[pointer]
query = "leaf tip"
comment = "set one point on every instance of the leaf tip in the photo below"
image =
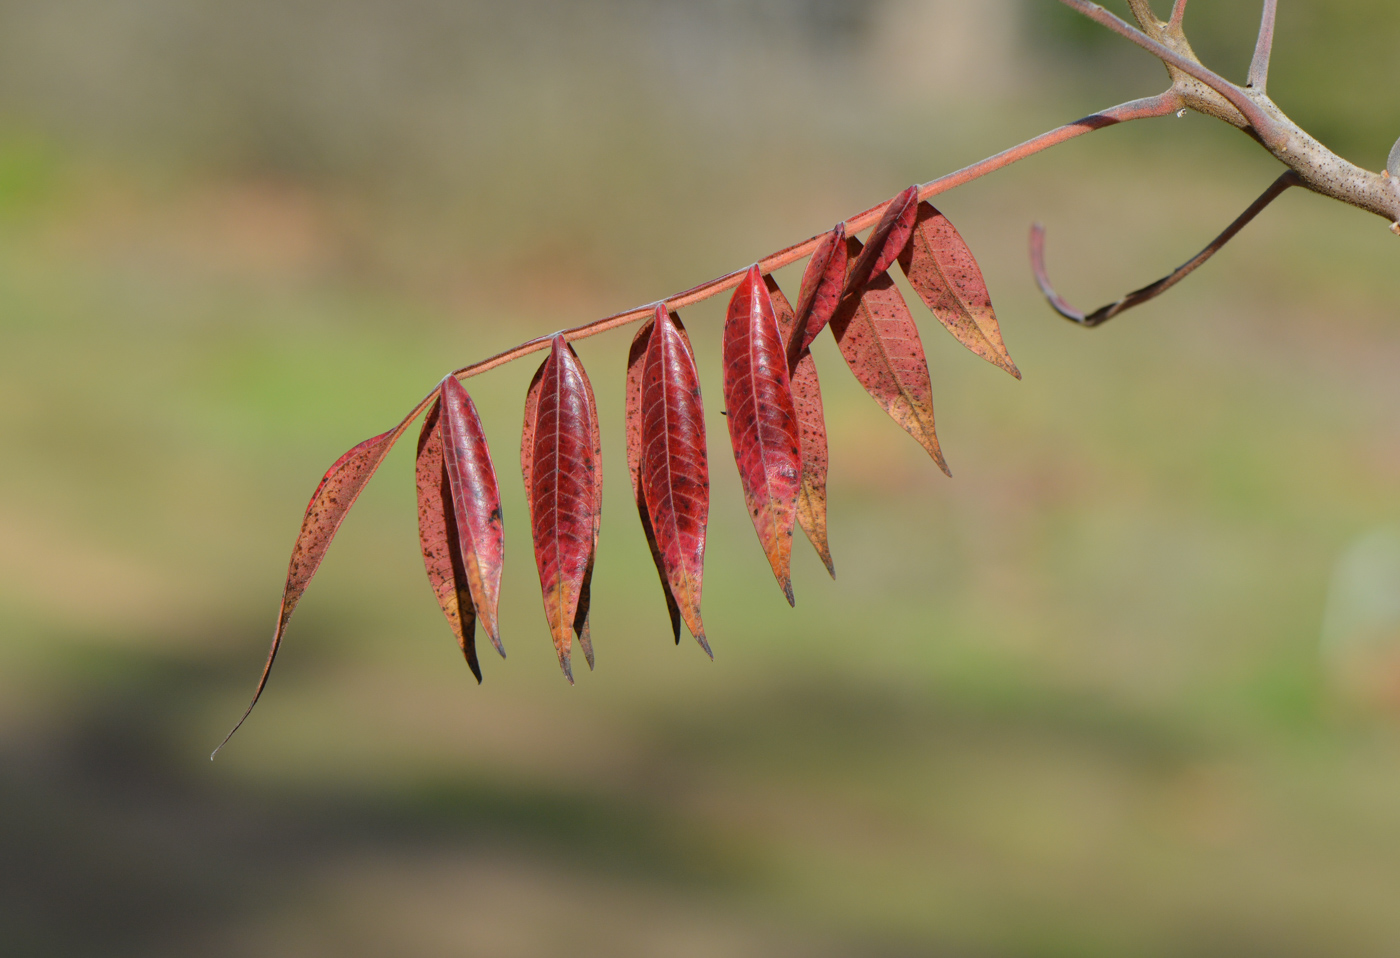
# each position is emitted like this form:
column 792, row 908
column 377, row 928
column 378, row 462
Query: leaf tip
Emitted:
column 705, row 645
column 786, row 583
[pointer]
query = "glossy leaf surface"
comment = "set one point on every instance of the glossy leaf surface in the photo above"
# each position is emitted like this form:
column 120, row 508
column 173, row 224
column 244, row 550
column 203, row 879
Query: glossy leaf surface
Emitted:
column 811, row 422
column 880, row 343
column 438, row 540
column 820, row 294
column 675, row 472
column 762, row 420
column 635, row 361
column 476, row 502
column 943, row 271
column 563, row 486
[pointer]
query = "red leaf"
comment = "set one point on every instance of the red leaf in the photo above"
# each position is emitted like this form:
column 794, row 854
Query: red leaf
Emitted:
column 880, row 343
column 887, row 239
column 822, row 283
column 559, row 457
column 442, row 553
column 944, row 273
column 476, row 502
column 675, row 473
column 762, row 421
column 334, row 495
column 635, row 358
column 807, row 401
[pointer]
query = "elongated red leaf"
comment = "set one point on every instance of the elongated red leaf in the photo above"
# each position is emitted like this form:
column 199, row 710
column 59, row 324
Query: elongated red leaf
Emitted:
column 822, row 283
column 476, row 502
column 944, row 273
column 675, row 473
column 635, row 361
column 334, row 495
column 880, row 343
column 437, row 537
column 762, row 421
column 886, row 240
column 811, row 423
column 563, row 485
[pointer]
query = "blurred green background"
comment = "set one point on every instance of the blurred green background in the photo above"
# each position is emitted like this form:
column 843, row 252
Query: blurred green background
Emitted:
column 1127, row 684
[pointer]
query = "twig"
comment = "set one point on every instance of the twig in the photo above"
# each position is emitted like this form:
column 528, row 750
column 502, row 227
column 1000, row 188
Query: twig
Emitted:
column 1160, row 105
column 1259, row 66
column 1263, row 126
column 1138, row 297
column 1178, row 11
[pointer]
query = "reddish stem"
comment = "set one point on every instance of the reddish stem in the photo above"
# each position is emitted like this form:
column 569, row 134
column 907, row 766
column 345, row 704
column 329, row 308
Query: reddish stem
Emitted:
column 1159, row 105
column 1259, row 66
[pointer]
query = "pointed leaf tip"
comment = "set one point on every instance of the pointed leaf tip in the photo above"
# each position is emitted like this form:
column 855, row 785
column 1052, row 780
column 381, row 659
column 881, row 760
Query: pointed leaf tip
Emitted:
column 438, row 538
column 334, row 495
column 942, row 270
column 762, row 419
column 561, row 467
column 811, row 420
column 476, row 502
column 880, row 342
column 673, row 469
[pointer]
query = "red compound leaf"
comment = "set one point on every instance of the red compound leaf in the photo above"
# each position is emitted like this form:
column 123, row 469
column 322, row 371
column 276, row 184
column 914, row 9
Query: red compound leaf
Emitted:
column 675, row 472
column 946, row 276
column 762, row 420
column 476, row 502
column 822, row 283
column 878, row 338
column 811, row 422
column 559, row 457
column 437, row 537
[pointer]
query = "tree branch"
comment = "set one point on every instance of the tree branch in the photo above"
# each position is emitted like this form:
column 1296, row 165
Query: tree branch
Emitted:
column 1259, row 66
column 1263, row 126
column 1138, row 297
column 1153, row 106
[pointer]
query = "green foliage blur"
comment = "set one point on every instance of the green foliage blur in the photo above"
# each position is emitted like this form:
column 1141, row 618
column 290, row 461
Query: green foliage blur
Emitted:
column 1127, row 684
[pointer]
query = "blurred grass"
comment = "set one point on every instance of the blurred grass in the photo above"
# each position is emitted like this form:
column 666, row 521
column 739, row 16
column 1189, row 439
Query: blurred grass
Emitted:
column 1069, row 702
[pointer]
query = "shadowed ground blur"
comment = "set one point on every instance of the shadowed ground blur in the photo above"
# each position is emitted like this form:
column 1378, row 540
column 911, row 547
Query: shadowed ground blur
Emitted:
column 1125, row 685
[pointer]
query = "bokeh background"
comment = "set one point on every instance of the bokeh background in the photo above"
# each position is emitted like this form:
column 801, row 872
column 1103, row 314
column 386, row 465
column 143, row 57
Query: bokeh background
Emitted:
column 1127, row 684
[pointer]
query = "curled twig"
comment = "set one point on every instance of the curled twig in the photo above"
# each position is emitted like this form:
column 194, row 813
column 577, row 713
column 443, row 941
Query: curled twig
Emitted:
column 1136, row 298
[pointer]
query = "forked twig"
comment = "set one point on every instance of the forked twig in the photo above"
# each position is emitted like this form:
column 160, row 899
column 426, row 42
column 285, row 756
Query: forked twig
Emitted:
column 1262, row 125
column 1136, row 298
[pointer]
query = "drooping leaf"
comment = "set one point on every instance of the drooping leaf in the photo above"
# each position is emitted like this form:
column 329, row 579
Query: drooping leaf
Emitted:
column 878, row 338
column 885, row 242
column 437, row 537
column 635, row 361
column 476, row 502
column 563, row 486
column 811, row 422
column 762, row 420
column 944, row 273
column 334, row 495
column 822, row 283
column 675, row 472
